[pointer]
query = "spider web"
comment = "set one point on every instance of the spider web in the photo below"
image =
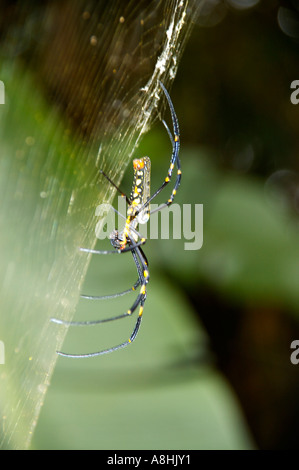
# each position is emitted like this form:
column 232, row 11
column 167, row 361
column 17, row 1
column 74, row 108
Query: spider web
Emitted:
column 81, row 88
column 107, row 77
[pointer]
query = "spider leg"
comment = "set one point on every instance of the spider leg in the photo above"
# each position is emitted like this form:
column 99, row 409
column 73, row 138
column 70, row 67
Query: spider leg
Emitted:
column 114, row 252
column 117, row 317
column 128, row 313
column 174, row 160
column 114, row 348
column 143, row 273
column 116, row 187
column 169, row 132
column 112, row 296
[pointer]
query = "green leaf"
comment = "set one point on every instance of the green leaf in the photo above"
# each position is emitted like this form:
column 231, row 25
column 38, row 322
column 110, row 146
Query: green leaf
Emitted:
column 160, row 392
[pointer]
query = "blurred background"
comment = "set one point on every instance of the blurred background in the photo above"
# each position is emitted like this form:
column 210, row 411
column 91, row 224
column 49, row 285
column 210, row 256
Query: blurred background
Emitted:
column 211, row 366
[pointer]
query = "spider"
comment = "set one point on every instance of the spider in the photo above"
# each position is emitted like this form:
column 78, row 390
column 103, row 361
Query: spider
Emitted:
column 129, row 239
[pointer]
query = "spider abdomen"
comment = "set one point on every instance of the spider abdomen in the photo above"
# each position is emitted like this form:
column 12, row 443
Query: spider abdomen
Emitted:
column 140, row 192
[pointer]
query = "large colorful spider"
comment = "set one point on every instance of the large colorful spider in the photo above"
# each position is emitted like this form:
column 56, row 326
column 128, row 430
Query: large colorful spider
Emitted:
column 129, row 239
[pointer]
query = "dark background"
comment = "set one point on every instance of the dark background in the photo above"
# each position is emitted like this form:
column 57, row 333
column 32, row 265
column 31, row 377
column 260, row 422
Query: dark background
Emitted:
column 234, row 79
